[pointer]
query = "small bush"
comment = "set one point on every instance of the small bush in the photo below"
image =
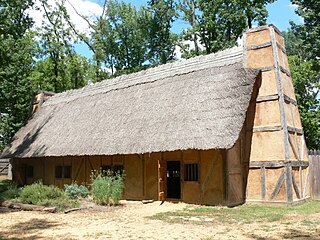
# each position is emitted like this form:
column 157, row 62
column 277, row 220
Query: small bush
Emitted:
column 107, row 188
column 8, row 190
column 43, row 195
column 74, row 191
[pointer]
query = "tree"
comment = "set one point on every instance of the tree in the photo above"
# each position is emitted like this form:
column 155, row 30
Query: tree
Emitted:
column 16, row 63
column 161, row 41
column 219, row 23
column 60, row 68
column 307, row 85
column 303, row 44
column 119, row 39
column 309, row 11
column 189, row 9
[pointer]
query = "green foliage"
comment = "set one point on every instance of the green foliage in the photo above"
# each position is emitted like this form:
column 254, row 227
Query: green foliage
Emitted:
column 119, row 40
column 310, row 30
column 107, row 188
column 60, row 68
column 16, row 62
column 218, row 24
column 161, row 41
column 8, row 190
column 74, row 190
column 303, row 44
column 43, row 195
column 307, row 85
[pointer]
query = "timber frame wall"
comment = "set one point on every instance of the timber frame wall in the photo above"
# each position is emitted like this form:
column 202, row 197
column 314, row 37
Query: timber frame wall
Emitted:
column 278, row 153
column 219, row 180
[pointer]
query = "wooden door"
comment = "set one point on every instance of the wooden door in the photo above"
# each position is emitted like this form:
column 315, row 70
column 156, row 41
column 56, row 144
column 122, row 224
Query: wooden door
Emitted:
column 161, row 179
column 173, row 180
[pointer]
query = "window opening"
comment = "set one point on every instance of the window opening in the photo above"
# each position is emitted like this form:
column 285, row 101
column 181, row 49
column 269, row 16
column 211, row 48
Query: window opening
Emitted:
column 191, row 172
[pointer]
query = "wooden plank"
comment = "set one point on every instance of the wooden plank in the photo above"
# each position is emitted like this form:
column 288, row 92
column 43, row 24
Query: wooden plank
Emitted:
column 290, row 100
column 295, row 130
column 266, row 69
column 305, row 189
column 289, row 184
column 161, row 178
column 5, row 167
column 285, row 71
column 257, row 29
column 295, row 187
column 257, row 46
column 314, row 175
column 79, row 168
column 278, row 164
column 278, row 186
column 282, row 48
column 293, row 148
column 267, row 98
column 263, row 182
column 281, row 95
column 267, row 129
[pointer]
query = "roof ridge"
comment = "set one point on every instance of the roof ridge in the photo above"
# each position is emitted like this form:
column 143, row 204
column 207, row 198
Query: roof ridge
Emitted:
column 222, row 58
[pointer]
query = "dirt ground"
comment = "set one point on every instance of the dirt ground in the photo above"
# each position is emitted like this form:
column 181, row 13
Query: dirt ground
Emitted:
column 130, row 221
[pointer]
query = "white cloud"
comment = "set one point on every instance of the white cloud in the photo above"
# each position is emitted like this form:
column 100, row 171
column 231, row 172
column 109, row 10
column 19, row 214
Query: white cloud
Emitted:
column 86, row 8
column 294, row 6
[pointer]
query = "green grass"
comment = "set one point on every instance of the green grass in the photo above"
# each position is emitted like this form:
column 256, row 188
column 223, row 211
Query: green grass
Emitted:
column 244, row 214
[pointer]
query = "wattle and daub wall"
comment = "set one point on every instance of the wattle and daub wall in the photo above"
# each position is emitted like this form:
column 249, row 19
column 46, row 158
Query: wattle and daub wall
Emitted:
column 278, row 154
column 268, row 163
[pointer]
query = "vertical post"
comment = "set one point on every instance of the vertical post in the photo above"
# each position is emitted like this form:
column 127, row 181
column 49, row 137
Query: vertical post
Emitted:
column 263, row 182
column 10, row 169
column 283, row 117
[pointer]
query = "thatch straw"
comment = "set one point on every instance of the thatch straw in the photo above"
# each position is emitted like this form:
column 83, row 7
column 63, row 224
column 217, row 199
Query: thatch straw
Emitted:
column 197, row 104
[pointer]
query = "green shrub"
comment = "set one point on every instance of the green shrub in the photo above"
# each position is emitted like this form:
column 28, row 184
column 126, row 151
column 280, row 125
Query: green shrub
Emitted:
column 74, row 191
column 8, row 190
column 43, row 195
column 107, row 188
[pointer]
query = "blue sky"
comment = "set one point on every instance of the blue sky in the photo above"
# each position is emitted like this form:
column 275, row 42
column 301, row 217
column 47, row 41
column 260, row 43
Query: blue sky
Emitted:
column 281, row 12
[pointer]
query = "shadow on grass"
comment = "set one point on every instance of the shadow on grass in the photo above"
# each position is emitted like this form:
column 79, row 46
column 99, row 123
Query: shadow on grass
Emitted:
column 31, row 228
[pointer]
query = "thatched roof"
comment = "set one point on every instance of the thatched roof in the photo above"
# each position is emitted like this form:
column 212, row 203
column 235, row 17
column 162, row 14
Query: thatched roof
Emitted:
column 200, row 103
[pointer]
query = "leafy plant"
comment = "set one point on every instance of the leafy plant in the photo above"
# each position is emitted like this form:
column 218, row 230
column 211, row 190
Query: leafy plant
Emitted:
column 43, row 195
column 107, row 187
column 74, row 190
column 8, row 190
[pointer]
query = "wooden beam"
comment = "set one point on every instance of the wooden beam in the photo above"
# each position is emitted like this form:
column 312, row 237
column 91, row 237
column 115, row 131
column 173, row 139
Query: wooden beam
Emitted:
column 293, row 148
column 306, row 185
column 267, row 129
column 295, row 186
column 289, row 184
column 6, row 166
column 278, row 186
column 79, row 168
column 258, row 29
column 285, row 71
column 295, row 130
column 282, row 48
column 263, row 183
column 290, row 100
column 257, row 46
column 266, row 69
column 267, row 98
column 260, row 164
column 281, row 95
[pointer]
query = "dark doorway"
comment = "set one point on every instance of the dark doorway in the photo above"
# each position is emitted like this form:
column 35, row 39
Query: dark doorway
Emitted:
column 173, row 180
